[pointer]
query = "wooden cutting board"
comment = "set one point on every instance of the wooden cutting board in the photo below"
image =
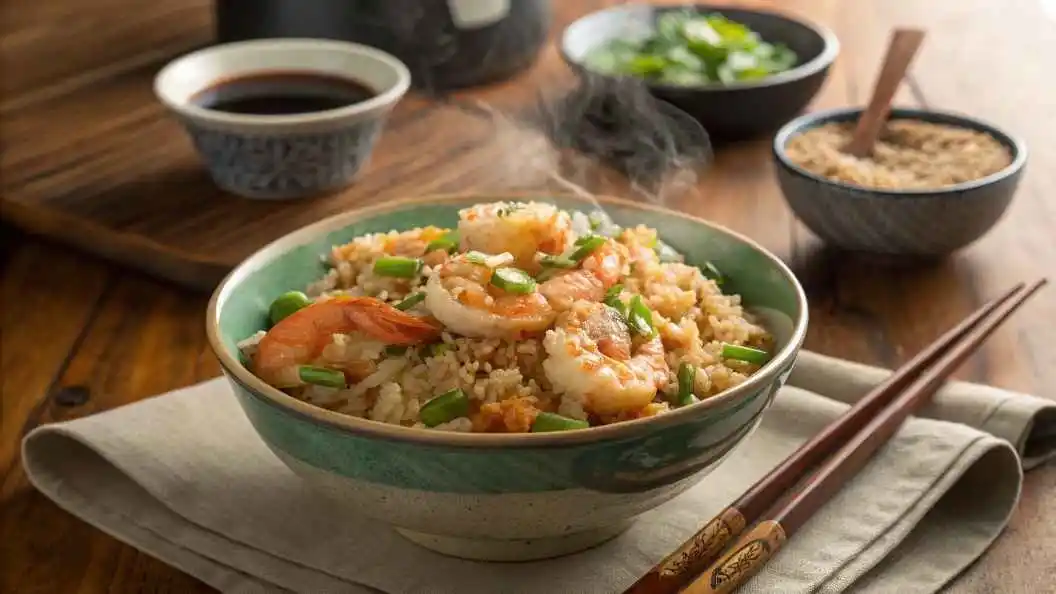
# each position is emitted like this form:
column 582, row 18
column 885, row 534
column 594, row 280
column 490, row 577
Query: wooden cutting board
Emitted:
column 105, row 168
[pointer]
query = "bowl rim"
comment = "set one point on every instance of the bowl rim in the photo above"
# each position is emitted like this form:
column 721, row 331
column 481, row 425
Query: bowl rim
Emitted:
column 238, row 373
column 830, row 47
column 814, row 119
column 384, row 98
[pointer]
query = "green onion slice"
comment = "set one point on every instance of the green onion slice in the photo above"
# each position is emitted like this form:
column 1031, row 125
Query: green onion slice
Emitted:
column 448, row 243
column 445, row 407
column 585, row 246
column 435, row 350
column 410, row 301
column 745, row 353
column 513, row 280
column 321, row 376
column 710, row 272
column 286, row 304
column 612, row 299
column 640, row 317
column 476, row 257
column 551, row 261
column 546, row 421
column 397, row 266
column 666, row 253
column 687, row 376
column 395, row 350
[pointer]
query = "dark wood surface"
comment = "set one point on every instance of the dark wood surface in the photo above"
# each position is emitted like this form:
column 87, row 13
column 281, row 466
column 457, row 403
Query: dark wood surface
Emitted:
column 91, row 163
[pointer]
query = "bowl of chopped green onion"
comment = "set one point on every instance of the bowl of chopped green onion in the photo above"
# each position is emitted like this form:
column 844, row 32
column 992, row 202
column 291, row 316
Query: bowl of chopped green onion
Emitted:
column 740, row 73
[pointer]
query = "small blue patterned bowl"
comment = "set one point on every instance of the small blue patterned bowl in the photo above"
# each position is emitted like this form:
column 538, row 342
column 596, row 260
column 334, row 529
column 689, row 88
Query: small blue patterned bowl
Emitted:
column 912, row 223
column 283, row 156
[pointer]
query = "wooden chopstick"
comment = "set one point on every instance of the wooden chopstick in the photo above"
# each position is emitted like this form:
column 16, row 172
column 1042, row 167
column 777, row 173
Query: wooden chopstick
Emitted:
column 755, row 548
column 704, row 547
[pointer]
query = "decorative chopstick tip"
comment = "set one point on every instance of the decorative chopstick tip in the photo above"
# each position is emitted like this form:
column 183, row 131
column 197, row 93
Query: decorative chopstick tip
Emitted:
column 744, row 560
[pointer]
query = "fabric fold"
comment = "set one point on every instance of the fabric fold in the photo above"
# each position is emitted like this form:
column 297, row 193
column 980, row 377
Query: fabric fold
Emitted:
column 185, row 478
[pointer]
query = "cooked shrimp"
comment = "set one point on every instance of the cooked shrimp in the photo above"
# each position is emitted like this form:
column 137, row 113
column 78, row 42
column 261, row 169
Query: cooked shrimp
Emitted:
column 602, row 269
column 521, row 229
column 460, row 295
column 302, row 337
column 593, row 357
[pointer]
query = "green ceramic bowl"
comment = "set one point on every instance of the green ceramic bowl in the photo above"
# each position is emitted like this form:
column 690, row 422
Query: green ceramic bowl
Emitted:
column 496, row 496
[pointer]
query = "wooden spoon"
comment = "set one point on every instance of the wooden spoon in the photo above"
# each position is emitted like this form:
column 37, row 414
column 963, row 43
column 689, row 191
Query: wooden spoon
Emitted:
column 900, row 51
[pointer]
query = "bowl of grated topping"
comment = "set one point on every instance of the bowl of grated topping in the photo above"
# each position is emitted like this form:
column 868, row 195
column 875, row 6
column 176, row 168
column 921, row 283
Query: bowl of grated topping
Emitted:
column 934, row 183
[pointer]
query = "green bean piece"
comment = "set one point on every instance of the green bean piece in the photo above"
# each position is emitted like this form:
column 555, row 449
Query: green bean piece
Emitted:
column 546, row 421
column 550, row 261
column 286, row 304
column 321, row 376
column 513, row 280
column 640, row 317
column 410, row 301
column 713, row 273
column 448, row 243
column 397, row 266
column 745, row 353
column 445, row 407
column 687, row 376
column 395, row 350
column 585, row 246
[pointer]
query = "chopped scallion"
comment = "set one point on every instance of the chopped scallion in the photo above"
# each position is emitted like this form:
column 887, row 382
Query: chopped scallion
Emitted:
column 395, row 350
column 546, row 421
column 435, row 350
column 476, row 257
column 666, row 253
column 745, row 353
column 713, row 273
column 448, row 243
column 410, row 301
column 640, row 317
column 321, row 376
column 397, row 266
column 585, row 246
column 612, row 299
column 550, row 261
column 445, row 407
column 513, row 280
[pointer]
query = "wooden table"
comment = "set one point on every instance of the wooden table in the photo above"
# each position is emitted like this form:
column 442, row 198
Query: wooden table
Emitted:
column 82, row 335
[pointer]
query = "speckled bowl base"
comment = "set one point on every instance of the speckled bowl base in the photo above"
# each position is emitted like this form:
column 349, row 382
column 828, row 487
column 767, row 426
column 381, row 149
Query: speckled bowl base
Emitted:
column 526, row 549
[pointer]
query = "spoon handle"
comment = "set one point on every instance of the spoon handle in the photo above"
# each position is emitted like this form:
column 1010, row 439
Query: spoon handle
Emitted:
column 900, row 51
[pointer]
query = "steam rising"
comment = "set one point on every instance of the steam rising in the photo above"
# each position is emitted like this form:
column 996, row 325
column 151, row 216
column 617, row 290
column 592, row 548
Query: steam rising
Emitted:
column 606, row 136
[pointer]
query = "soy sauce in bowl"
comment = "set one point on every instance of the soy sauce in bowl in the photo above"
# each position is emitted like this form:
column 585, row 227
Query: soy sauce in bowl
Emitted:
column 282, row 93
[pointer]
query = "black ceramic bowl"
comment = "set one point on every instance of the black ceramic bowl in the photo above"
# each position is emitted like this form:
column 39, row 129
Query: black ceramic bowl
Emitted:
column 916, row 223
column 446, row 44
column 732, row 111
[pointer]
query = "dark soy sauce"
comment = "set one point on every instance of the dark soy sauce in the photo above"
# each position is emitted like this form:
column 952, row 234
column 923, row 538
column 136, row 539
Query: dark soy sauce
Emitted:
column 282, row 93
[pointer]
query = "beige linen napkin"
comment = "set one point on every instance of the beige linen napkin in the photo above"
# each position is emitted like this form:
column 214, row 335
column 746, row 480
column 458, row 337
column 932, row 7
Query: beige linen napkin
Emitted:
column 183, row 477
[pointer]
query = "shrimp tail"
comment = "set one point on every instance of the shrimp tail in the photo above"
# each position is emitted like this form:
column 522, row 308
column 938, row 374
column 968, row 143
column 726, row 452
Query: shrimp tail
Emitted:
column 388, row 324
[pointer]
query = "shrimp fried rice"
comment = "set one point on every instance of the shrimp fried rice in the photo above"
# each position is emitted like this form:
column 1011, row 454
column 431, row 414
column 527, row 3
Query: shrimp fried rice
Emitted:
column 523, row 318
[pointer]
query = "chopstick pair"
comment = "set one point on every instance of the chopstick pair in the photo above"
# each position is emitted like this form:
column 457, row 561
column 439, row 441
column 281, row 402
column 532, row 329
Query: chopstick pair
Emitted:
column 841, row 449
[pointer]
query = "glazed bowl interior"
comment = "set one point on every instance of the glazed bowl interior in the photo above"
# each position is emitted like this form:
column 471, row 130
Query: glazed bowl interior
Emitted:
column 816, row 47
column 239, row 306
column 181, row 80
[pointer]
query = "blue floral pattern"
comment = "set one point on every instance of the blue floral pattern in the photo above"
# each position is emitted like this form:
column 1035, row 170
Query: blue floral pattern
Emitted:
column 285, row 165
